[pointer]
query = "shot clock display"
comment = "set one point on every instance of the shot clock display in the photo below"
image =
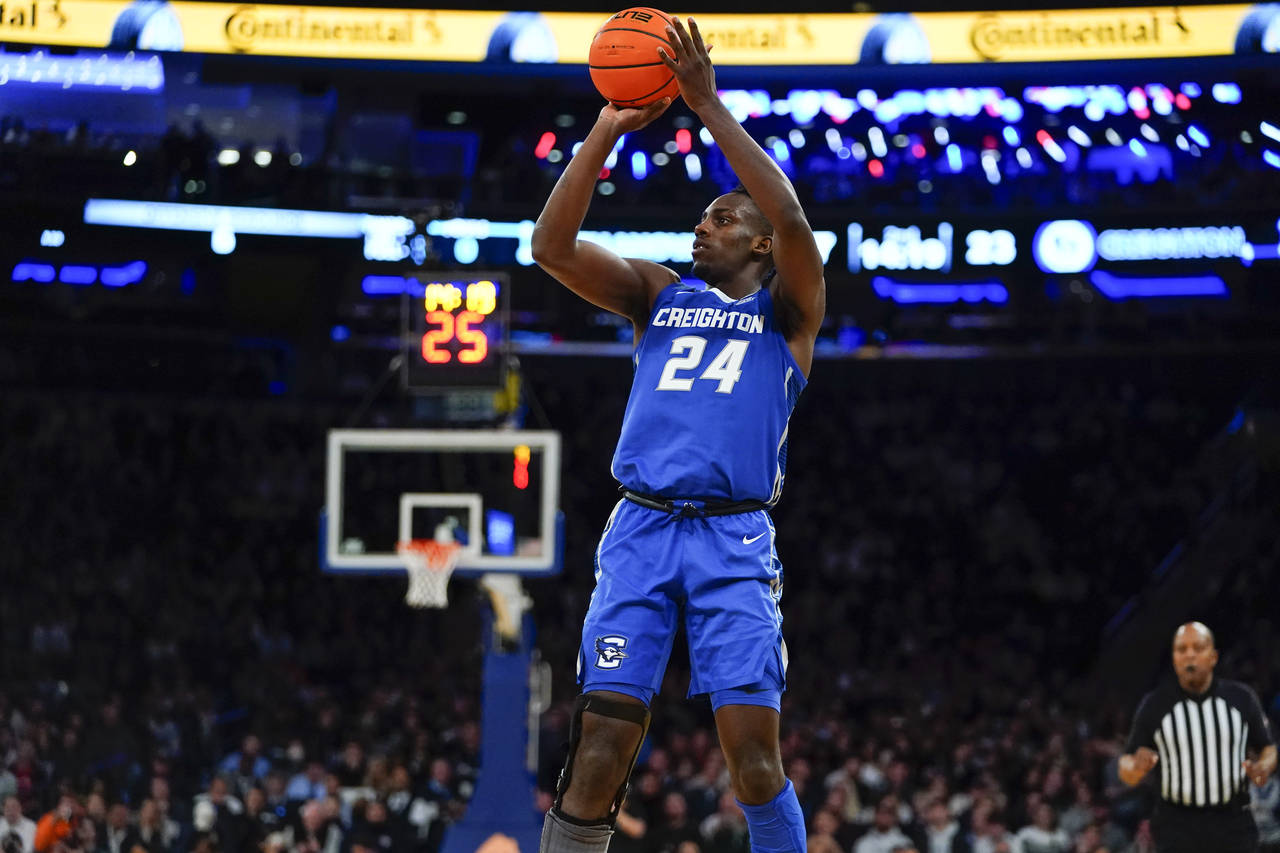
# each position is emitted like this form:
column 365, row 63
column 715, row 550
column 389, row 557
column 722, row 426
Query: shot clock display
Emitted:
column 455, row 330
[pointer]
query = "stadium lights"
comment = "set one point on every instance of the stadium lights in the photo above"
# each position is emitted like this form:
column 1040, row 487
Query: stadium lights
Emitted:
column 1116, row 287
column 908, row 293
column 1197, row 136
column 384, row 236
column 114, row 276
column 1226, row 93
column 128, row 72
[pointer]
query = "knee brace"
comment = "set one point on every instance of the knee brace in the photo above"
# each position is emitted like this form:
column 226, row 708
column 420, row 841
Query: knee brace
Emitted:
column 627, row 711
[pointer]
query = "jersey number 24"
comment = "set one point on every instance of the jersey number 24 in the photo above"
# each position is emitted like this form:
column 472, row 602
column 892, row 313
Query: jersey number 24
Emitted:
column 686, row 354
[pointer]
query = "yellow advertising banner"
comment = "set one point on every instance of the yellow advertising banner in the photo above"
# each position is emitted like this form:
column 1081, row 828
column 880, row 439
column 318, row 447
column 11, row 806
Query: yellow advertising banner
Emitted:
column 437, row 35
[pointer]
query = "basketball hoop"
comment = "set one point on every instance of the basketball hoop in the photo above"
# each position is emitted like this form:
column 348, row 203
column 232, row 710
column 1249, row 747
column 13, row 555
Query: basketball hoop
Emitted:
column 429, row 564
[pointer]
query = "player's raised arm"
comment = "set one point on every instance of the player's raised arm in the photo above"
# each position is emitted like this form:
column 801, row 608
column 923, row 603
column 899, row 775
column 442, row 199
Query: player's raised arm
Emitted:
column 625, row 286
column 799, row 282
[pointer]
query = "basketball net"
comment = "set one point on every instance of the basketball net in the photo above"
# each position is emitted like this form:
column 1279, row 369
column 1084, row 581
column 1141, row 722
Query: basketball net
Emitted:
column 429, row 563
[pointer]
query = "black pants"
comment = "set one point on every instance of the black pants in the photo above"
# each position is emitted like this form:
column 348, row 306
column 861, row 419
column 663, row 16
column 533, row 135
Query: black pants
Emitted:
column 1188, row 830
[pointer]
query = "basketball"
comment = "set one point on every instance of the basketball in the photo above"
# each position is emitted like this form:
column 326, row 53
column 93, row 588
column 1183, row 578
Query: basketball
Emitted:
column 624, row 62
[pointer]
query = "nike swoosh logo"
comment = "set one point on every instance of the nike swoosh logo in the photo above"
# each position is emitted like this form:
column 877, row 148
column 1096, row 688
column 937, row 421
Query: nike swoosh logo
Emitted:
column 746, row 541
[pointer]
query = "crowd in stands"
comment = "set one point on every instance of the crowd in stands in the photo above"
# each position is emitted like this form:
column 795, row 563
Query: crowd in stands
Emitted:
column 179, row 676
column 1201, row 154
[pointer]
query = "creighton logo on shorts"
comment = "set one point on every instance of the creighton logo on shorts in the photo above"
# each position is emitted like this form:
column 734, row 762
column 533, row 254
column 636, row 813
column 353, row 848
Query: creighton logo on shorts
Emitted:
column 609, row 652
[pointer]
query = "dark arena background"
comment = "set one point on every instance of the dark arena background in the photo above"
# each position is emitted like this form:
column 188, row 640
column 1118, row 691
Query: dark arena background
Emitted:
column 1042, row 428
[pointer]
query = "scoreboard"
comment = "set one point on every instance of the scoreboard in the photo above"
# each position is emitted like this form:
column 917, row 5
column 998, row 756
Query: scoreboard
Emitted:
column 455, row 330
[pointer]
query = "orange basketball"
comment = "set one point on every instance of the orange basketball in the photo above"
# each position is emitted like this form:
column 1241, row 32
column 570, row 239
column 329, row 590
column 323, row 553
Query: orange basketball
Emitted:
column 624, row 62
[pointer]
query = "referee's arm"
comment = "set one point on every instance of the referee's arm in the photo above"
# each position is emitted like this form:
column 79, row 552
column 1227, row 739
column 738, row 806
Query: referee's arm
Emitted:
column 1140, row 755
column 1259, row 769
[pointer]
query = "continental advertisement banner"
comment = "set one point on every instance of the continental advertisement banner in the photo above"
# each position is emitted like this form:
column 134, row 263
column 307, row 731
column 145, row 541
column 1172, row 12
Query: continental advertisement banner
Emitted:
column 436, row 35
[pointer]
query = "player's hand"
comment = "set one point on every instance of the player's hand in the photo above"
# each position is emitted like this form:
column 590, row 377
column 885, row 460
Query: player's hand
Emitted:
column 1141, row 761
column 629, row 119
column 1257, row 772
column 690, row 61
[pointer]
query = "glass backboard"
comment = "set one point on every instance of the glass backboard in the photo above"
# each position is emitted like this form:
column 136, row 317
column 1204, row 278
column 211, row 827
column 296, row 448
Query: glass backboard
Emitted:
column 494, row 492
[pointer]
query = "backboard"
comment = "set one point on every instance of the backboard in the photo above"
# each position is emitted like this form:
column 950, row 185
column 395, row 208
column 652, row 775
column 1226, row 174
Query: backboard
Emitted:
column 494, row 491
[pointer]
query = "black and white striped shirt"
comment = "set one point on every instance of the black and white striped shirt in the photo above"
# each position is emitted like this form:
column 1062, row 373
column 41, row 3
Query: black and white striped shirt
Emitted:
column 1202, row 741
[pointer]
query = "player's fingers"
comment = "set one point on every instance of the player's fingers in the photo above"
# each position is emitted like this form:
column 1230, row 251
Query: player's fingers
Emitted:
column 686, row 41
column 677, row 51
column 656, row 109
column 665, row 56
column 696, row 35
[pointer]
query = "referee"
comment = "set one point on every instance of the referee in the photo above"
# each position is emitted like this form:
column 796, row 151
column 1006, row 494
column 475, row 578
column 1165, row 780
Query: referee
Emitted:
column 1198, row 732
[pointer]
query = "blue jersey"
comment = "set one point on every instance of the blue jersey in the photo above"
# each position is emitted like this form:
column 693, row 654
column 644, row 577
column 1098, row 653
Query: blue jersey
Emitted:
column 714, row 387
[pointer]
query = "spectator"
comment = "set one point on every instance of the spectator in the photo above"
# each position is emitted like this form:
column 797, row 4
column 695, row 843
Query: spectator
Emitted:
column 246, row 767
column 412, row 812
column 351, row 769
column 725, row 831
column 1090, row 840
column 673, row 827
column 942, row 833
column 307, row 785
column 846, row 779
column 994, row 838
column 164, row 817
column 14, row 822
column 823, row 837
column 111, row 749
column 1042, row 835
column 57, row 825
column 274, row 799
column 118, row 836
column 229, row 824
column 28, row 772
column 260, row 821
column 373, row 832
column 318, row 831
column 8, row 783
column 885, row 834
column 1264, row 801
column 156, row 832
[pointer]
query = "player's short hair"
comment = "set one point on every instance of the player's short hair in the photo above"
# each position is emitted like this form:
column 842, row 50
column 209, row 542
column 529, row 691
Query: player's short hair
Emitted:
column 759, row 222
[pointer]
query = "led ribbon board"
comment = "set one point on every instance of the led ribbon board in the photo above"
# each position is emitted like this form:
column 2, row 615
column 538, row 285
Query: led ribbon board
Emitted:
column 510, row 37
column 386, row 238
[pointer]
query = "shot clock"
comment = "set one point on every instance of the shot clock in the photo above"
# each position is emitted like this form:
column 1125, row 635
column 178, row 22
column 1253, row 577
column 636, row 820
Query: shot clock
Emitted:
column 455, row 330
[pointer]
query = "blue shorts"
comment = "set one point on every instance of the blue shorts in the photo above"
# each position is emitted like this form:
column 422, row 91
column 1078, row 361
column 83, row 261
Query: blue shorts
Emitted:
column 720, row 575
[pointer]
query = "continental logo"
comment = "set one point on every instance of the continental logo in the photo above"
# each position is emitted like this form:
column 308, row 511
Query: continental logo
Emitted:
column 996, row 37
column 262, row 28
column 782, row 37
column 16, row 17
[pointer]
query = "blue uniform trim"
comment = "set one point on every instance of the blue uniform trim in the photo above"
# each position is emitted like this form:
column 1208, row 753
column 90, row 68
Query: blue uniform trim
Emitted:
column 644, row 694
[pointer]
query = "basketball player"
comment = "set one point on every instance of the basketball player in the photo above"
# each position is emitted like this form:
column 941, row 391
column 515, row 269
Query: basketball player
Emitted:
column 717, row 373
